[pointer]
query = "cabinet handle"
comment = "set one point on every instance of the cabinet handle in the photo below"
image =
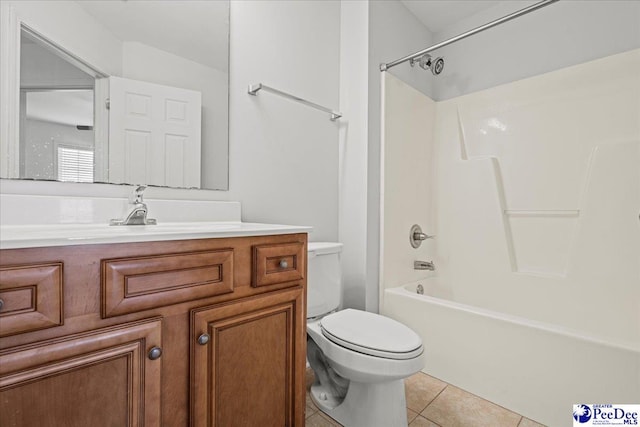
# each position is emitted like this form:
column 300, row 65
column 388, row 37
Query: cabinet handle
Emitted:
column 203, row 339
column 155, row 353
column 284, row 263
column 1, row 304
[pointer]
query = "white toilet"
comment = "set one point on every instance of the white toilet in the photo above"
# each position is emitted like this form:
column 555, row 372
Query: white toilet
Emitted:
column 360, row 359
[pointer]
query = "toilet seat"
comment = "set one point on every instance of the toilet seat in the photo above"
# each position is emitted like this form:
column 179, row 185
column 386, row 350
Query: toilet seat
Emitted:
column 371, row 334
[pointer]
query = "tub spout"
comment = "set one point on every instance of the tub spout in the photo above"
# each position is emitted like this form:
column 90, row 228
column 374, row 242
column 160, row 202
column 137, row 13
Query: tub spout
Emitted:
column 424, row 265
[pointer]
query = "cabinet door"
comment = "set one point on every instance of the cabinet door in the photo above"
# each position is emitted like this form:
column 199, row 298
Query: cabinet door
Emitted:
column 248, row 362
column 102, row 378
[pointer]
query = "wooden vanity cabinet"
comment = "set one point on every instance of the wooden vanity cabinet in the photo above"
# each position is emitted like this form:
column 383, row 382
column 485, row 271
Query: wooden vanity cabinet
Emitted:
column 104, row 378
column 242, row 355
column 207, row 332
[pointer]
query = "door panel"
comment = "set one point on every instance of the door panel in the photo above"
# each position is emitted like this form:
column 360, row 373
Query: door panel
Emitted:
column 104, row 378
column 245, row 375
column 154, row 134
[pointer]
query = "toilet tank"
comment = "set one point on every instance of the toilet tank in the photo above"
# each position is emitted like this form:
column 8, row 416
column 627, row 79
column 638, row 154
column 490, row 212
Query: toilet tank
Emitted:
column 324, row 278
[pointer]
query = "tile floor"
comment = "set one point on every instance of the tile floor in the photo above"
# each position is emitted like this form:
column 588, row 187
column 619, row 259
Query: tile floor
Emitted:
column 434, row 403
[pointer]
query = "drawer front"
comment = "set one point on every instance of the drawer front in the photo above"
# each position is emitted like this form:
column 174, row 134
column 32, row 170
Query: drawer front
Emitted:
column 31, row 298
column 133, row 284
column 278, row 263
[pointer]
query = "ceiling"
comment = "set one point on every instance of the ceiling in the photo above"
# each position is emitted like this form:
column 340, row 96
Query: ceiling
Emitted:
column 437, row 15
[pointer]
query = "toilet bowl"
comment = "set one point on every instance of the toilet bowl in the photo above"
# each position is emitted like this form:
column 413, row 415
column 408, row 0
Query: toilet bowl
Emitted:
column 360, row 359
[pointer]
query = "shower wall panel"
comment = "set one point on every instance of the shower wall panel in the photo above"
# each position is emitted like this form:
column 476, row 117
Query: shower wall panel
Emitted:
column 408, row 125
column 537, row 197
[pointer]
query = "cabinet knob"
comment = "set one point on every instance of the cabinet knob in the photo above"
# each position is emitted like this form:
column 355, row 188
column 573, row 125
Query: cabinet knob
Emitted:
column 155, row 353
column 203, row 339
column 284, row 263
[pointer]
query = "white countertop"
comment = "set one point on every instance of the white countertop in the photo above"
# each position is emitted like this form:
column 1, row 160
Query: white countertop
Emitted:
column 30, row 236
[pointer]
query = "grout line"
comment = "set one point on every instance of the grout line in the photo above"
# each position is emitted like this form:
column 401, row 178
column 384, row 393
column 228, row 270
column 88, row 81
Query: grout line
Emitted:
column 419, row 413
column 492, row 403
column 431, row 421
column 432, row 400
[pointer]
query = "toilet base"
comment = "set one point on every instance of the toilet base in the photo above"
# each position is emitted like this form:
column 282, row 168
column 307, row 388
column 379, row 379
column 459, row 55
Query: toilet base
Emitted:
column 366, row 404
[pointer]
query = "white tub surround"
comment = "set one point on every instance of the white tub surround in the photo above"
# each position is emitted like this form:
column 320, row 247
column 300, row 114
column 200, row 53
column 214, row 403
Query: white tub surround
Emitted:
column 535, row 193
column 38, row 221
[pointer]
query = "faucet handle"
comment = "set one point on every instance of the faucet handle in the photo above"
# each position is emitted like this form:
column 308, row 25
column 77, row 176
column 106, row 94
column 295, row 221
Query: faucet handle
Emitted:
column 416, row 236
column 422, row 236
column 138, row 193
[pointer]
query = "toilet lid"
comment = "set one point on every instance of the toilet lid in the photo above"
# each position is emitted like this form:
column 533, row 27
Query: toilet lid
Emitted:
column 371, row 334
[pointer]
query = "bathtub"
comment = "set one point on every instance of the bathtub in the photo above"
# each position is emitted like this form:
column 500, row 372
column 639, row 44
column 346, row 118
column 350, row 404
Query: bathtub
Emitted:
column 533, row 368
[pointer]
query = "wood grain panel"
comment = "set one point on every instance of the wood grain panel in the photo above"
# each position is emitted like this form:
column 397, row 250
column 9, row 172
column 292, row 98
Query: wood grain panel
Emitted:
column 32, row 298
column 251, row 373
column 18, row 300
column 268, row 263
column 83, row 318
column 103, row 378
column 134, row 284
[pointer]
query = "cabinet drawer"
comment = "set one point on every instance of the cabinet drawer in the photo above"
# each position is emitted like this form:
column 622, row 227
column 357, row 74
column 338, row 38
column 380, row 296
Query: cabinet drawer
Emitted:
column 31, row 298
column 278, row 263
column 134, row 284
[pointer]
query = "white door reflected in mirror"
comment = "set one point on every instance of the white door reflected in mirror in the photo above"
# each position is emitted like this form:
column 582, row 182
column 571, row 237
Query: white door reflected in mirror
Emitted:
column 154, row 134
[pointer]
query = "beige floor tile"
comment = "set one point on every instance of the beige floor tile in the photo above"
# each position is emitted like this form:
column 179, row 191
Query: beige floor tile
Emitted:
column 411, row 415
column 457, row 408
column 420, row 390
column 422, row 422
column 526, row 422
column 328, row 418
column 309, row 410
column 317, row 420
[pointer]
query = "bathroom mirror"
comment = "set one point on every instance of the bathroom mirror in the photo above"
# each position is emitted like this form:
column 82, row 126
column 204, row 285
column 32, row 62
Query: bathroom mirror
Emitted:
column 115, row 91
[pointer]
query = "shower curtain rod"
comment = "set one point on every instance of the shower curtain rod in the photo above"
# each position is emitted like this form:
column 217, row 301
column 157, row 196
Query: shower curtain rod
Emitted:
column 536, row 6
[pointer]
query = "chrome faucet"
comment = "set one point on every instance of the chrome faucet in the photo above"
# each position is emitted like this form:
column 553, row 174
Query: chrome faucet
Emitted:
column 424, row 265
column 137, row 215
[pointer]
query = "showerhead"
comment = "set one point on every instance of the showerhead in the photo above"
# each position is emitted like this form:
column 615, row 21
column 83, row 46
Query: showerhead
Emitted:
column 437, row 65
column 426, row 62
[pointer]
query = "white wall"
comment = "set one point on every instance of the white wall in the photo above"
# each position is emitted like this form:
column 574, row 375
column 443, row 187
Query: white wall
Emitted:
column 283, row 156
column 97, row 47
column 408, row 181
column 393, row 32
column 41, row 139
column 354, row 86
column 554, row 37
column 40, row 67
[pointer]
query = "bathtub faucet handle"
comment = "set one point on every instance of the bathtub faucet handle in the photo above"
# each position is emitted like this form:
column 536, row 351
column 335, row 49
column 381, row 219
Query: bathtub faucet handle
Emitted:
column 422, row 236
column 416, row 236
